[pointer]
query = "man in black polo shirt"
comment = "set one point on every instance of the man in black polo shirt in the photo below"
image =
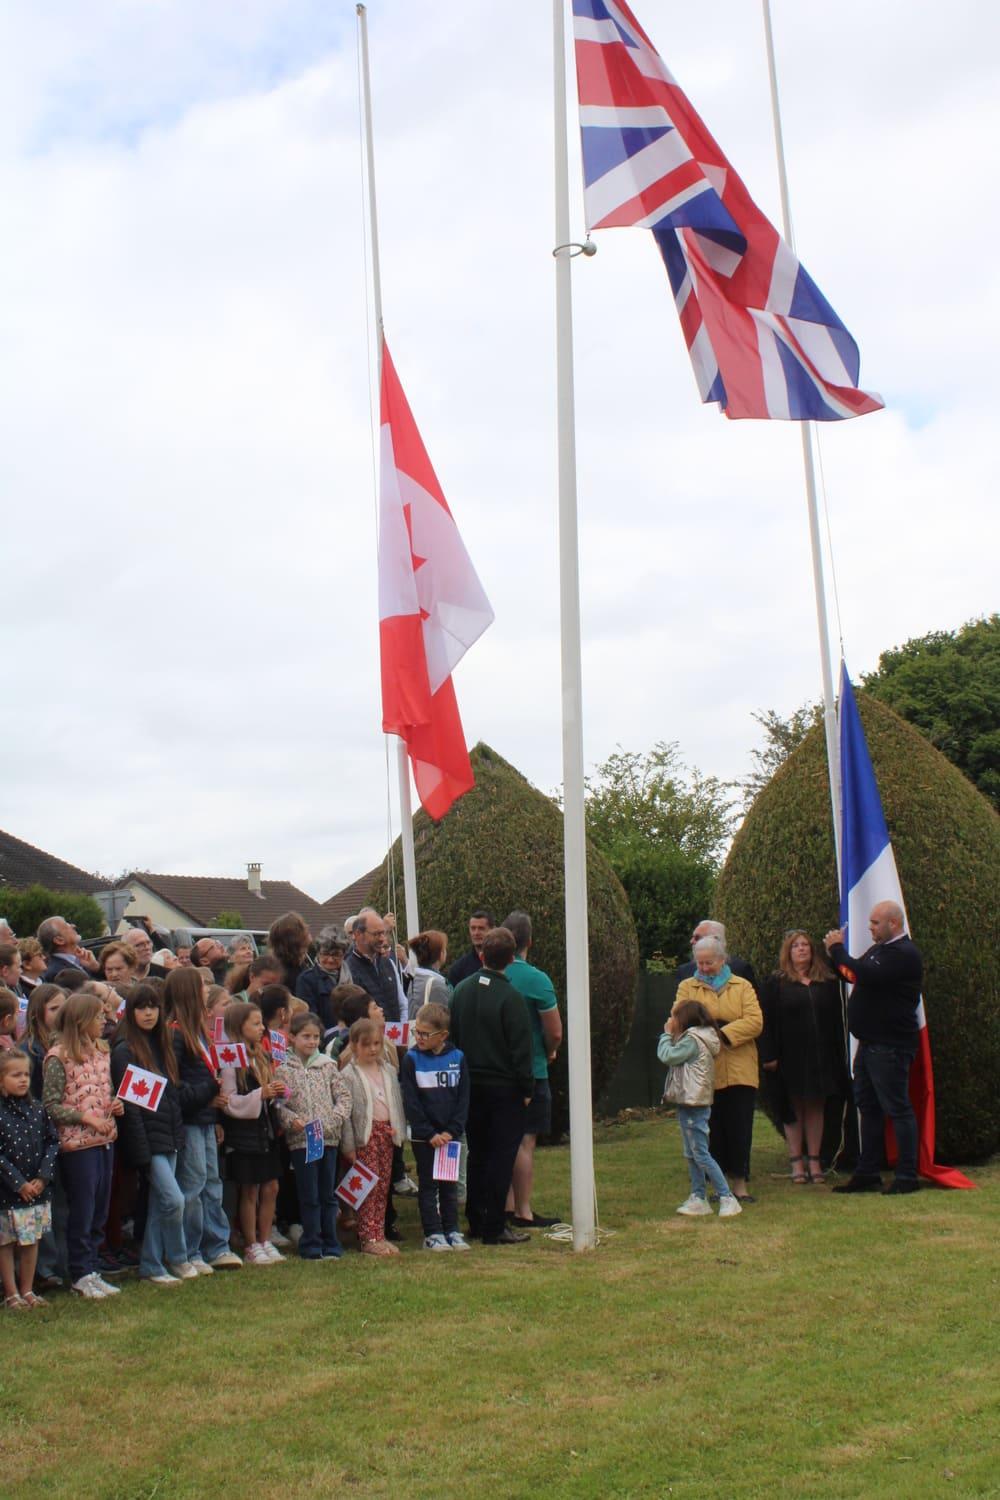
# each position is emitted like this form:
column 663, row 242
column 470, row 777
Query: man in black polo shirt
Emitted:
column 882, row 1016
column 489, row 1023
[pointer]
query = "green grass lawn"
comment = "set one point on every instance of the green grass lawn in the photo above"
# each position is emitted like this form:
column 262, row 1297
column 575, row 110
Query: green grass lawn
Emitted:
column 814, row 1346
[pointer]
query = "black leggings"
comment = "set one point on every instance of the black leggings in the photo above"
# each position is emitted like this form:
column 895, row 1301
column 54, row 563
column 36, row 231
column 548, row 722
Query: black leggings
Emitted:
column 730, row 1128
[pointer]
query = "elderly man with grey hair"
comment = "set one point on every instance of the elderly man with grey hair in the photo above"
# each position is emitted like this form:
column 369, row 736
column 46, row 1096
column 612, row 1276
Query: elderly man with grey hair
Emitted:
column 882, row 1017
column 732, row 1003
column 63, row 949
column 707, row 928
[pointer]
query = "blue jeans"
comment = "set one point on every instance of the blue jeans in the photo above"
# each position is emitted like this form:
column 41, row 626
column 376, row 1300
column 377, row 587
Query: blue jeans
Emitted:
column 437, row 1202
column 163, row 1241
column 317, row 1185
column 86, row 1176
column 882, row 1091
column 206, row 1227
column 693, row 1120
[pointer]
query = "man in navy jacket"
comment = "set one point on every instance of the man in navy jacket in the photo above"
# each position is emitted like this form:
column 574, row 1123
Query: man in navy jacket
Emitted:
column 882, row 1017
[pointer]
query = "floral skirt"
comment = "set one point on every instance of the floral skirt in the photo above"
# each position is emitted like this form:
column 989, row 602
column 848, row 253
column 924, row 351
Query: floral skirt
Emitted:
column 25, row 1225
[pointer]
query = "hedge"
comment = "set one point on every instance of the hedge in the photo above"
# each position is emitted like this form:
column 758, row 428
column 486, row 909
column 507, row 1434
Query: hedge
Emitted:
column 501, row 846
column 26, row 910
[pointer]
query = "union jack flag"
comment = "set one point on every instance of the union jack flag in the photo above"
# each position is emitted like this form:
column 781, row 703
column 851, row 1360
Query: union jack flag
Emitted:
column 763, row 340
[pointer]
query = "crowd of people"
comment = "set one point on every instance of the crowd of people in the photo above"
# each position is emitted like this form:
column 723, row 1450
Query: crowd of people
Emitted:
column 723, row 1028
column 184, row 1112
column 199, row 1110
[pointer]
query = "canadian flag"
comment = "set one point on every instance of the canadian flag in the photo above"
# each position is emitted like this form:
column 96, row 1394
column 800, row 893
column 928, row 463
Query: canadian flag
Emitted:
column 356, row 1183
column 141, row 1087
column 432, row 607
column 230, row 1055
column 398, row 1033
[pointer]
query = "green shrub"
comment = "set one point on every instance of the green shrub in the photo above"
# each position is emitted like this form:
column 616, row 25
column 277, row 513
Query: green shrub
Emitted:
column 780, row 873
column 501, row 846
column 26, row 910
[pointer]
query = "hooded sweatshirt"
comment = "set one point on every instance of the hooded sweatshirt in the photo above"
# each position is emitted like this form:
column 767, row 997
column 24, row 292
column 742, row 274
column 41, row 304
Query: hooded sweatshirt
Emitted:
column 316, row 1091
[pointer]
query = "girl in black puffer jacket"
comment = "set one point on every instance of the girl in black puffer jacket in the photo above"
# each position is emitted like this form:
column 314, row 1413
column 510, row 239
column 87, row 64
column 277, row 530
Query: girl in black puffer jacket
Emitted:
column 150, row 1139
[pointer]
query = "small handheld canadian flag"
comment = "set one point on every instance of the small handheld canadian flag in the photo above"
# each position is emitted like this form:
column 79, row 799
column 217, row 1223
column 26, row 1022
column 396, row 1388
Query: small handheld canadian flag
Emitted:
column 356, row 1183
column 230, row 1055
column 141, row 1087
column 398, row 1033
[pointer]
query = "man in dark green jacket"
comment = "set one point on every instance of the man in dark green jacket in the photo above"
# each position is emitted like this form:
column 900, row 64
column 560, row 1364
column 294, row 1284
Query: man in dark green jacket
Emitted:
column 489, row 1023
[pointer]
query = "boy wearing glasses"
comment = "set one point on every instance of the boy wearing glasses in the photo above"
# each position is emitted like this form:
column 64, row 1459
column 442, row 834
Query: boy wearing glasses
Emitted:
column 434, row 1078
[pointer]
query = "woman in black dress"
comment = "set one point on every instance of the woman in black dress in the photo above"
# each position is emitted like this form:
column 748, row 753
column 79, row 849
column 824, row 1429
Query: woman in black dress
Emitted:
column 804, row 1045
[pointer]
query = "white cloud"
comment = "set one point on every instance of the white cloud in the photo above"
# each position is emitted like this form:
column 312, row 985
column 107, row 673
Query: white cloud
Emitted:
column 189, row 600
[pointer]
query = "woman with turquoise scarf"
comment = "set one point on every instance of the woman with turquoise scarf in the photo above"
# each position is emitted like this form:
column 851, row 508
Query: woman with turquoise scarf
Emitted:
column 732, row 1004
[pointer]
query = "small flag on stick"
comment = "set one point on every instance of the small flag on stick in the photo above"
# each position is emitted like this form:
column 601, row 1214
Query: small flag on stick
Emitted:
column 446, row 1159
column 398, row 1033
column 279, row 1046
column 355, row 1185
column 314, row 1141
column 230, row 1055
column 141, row 1087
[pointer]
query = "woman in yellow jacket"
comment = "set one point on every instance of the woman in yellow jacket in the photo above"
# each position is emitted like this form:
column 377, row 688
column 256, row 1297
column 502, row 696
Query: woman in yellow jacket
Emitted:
column 732, row 1004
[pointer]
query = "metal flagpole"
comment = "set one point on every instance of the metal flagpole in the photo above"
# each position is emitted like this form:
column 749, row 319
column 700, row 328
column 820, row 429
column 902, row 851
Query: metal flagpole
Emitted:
column 402, row 761
column 829, row 702
column 574, row 836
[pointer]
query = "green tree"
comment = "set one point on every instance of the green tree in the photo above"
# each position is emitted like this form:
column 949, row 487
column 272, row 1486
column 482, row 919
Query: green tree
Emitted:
column 662, row 828
column 228, row 919
column 26, row 910
column 781, row 737
column 948, row 685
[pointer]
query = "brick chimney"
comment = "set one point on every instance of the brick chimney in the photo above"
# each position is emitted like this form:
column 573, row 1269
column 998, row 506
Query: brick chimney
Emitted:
column 253, row 879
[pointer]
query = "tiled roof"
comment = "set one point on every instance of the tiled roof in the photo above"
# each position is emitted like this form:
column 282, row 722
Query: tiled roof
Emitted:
column 22, row 865
column 349, row 901
column 202, row 897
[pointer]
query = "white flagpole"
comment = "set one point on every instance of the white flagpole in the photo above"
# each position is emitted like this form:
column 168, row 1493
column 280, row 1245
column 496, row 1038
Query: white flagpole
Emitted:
column 822, row 619
column 574, row 835
column 402, row 761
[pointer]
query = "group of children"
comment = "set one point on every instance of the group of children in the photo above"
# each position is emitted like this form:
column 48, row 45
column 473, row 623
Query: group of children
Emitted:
column 236, row 1100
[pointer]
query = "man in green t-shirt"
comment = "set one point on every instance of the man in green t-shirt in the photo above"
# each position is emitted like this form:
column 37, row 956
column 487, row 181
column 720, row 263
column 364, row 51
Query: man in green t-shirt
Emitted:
column 546, row 1037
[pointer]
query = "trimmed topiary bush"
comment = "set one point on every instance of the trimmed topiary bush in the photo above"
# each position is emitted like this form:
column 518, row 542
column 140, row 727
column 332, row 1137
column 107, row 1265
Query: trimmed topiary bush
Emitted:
column 501, row 846
column 780, row 873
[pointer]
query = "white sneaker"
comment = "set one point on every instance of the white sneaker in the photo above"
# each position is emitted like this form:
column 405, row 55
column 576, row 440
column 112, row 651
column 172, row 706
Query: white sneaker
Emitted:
column 87, row 1287
column 405, row 1188
column 280, row 1240
column 227, row 1261
column 694, row 1207
column 272, row 1252
column 294, row 1234
column 436, row 1242
column 165, row 1280
column 184, row 1272
column 729, row 1206
column 202, row 1267
column 458, row 1241
column 256, row 1255
column 106, row 1287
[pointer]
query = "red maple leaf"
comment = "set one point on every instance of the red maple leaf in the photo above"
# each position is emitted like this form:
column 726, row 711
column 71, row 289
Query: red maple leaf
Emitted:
column 140, row 1088
column 355, row 1183
column 227, row 1055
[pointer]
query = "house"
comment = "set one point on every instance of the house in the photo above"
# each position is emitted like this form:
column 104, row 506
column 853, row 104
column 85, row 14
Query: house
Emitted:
column 22, row 865
column 349, row 901
column 196, row 900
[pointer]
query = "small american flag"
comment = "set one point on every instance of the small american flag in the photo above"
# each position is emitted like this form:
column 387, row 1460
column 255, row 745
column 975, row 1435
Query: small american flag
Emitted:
column 446, row 1160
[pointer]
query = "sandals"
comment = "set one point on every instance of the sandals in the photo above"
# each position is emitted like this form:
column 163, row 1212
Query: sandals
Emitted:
column 798, row 1175
column 819, row 1175
column 378, row 1247
column 15, row 1302
column 32, row 1299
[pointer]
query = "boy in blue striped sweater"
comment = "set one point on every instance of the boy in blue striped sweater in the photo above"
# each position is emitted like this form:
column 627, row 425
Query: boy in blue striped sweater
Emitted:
column 434, row 1078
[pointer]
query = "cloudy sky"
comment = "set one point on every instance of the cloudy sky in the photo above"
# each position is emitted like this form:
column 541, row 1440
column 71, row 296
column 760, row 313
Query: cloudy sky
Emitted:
column 189, row 602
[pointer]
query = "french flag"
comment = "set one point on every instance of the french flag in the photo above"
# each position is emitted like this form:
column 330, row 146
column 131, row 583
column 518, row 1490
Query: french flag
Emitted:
column 869, row 875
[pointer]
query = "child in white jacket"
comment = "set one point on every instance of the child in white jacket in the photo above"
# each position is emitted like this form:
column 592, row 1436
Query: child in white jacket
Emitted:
column 689, row 1047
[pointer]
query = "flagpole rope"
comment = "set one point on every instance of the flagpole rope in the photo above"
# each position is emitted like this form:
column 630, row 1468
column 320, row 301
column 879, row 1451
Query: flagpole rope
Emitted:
column 829, row 547
column 372, row 434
